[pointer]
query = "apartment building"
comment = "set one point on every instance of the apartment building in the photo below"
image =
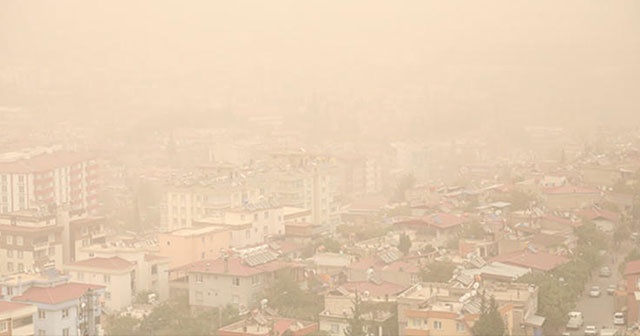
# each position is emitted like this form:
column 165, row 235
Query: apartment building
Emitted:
column 117, row 275
column 188, row 245
column 84, row 232
column 69, row 309
column 16, row 319
column 236, row 280
column 29, row 240
column 45, row 178
column 250, row 224
column 190, row 200
column 151, row 269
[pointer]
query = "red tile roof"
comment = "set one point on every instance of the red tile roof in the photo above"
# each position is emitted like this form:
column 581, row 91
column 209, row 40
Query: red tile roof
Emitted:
column 6, row 306
column 567, row 189
column 235, row 267
column 443, row 220
column 58, row 294
column 594, row 213
column 44, row 162
column 539, row 260
column 113, row 263
column 632, row 267
column 154, row 257
column 396, row 266
column 562, row 220
column 385, row 288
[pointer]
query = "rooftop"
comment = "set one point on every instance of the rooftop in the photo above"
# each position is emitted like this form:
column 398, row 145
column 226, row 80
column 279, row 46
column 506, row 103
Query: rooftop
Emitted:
column 58, row 294
column 107, row 264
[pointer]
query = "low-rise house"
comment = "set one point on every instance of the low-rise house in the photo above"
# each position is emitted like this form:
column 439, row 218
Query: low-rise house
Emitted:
column 258, row 323
column 236, row 280
column 571, row 197
column 442, row 309
column 378, row 297
column 632, row 281
column 386, row 266
column 151, row 269
column 69, row 309
column 605, row 220
column 117, row 275
column 16, row 319
column 538, row 261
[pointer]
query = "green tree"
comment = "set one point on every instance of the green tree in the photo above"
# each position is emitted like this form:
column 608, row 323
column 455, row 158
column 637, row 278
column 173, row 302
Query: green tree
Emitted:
column 122, row 326
column 490, row 322
column 286, row 296
column 356, row 325
column 405, row 243
column 438, row 271
column 520, row 200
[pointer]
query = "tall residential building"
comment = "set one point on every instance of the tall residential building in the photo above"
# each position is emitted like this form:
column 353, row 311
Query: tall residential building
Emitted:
column 45, row 178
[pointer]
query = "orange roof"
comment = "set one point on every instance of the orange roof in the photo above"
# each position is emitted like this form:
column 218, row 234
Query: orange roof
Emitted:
column 235, row 267
column 113, row 263
column 58, row 294
column 385, row 288
column 632, row 267
column 43, row 162
column 443, row 220
column 539, row 260
column 571, row 190
column 6, row 306
column 595, row 213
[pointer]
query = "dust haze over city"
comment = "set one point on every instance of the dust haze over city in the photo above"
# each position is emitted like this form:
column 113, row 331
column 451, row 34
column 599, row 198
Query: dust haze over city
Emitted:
column 442, row 168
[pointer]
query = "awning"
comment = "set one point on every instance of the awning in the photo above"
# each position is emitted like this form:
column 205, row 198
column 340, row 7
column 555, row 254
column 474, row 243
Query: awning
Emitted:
column 534, row 320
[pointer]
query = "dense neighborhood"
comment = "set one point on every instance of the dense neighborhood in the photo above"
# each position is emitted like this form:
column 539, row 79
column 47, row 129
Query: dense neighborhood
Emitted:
column 404, row 239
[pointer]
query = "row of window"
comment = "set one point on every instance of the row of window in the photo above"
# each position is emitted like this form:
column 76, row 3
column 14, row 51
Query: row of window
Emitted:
column 234, row 281
column 105, row 277
column 436, row 325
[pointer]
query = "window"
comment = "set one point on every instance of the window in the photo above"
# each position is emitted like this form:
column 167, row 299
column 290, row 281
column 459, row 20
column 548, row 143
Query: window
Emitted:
column 199, row 296
column 80, row 276
column 10, row 253
column 19, row 240
column 335, row 328
column 199, row 278
column 9, row 240
column 65, row 313
column 460, row 326
column 106, row 278
column 27, row 320
column 437, row 325
column 4, row 326
column 42, row 314
column 51, row 251
column 20, row 267
column 247, row 234
column 154, row 269
column 65, row 332
column 255, row 217
column 41, row 332
column 107, row 295
column 20, row 254
column 255, row 280
column 9, row 291
column 21, row 178
column 202, row 255
column 10, row 266
column 235, row 281
column 266, row 214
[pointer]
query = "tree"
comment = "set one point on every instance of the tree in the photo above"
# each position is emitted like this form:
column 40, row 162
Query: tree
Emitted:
column 356, row 324
column 438, row 271
column 122, row 326
column 405, row 243
column 490, row 322
column 286, row 296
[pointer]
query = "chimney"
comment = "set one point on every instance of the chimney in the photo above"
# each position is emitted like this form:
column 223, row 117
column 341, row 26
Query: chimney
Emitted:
column 226, row 264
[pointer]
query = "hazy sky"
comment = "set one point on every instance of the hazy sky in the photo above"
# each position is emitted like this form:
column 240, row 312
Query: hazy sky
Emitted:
column 559, row 59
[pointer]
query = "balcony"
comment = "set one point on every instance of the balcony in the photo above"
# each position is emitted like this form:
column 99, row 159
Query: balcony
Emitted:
column 39, row 246
column 97, row 234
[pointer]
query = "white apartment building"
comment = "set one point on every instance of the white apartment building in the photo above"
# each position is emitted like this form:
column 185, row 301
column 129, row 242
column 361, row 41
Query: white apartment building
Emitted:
column 45, row 178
